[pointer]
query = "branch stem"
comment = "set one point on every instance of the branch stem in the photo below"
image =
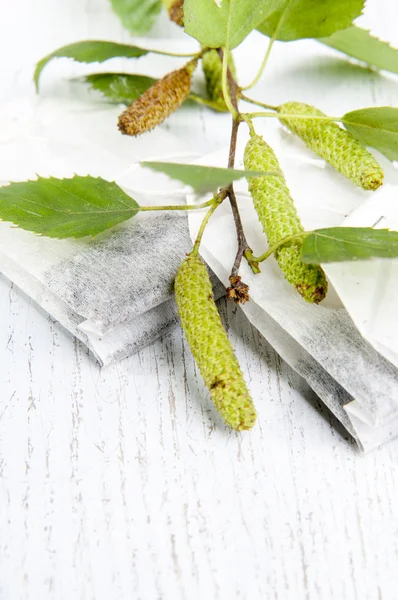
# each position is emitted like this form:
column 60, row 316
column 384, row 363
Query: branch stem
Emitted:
column 243, row 246
column 242, row 242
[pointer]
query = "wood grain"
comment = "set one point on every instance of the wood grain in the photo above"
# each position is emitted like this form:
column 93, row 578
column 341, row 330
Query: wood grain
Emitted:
column 123, row 483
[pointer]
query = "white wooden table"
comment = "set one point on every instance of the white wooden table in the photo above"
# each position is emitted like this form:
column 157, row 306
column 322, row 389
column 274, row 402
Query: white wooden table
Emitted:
column 124, row 484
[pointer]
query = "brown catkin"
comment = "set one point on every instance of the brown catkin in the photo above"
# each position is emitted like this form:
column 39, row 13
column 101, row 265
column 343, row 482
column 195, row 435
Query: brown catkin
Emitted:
column 176, row 12
column 210, row 345
column 278, row 216
column 334, row 144
column 158, row 102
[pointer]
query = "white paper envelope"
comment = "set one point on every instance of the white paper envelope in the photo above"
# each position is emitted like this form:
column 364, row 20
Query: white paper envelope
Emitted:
column 321, row 342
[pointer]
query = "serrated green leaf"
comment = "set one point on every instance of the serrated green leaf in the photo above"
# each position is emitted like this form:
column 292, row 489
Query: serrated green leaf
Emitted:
column 360, row 44
column 89, row 51
column 203, row 179
column 376, row 127
column 233, row 20
column 297, row 19
column 137, row 15
column 63, row 208
column 122, row 88
column 205, row 22
column 337, row 244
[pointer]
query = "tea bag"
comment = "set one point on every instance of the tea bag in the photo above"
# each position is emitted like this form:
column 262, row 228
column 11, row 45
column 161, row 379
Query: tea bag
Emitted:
column 343, row 360
column 113, row 292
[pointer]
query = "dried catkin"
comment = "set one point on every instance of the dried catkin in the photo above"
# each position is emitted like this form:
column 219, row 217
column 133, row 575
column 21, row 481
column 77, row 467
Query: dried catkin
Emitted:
column 210, row 345
column 278, row 216
column 212, row 68
column 158, row 102
column 336, row 145
column 176, row 12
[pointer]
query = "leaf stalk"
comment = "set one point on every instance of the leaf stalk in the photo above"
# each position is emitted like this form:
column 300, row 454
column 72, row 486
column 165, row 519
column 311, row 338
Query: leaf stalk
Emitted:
column 179, row 206
column 275, row 247
column 287, row 116
column 257, row 102
column 213, row 203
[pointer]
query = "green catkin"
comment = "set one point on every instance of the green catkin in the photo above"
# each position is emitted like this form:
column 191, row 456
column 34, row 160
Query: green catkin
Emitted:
column 278, row 216
column 210, row 345
column 212, row 69
column 334, row 144
column 158, row 102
